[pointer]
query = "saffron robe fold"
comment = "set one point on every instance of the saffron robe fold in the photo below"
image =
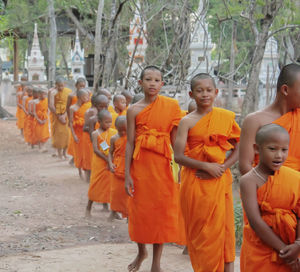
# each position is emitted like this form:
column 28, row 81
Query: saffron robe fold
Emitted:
column 78, row 122
column 207, row 205
column 32, row 125
column 42, row 130
column 279, row 203
column 118, row 195
column 99, row 190
column 71, row 142
column 153, row 209
column 87, row 151
column 27, row 124
column 20, row 112
column 60, row 131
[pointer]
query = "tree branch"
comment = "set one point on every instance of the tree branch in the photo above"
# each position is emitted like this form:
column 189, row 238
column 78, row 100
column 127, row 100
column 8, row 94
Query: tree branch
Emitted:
column 281, row 29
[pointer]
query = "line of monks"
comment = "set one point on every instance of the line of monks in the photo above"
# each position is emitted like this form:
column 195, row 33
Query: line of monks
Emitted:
column 139, row 152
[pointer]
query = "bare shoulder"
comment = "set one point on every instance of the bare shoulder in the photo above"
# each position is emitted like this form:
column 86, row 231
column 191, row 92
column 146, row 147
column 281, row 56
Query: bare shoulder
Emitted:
column 114, row 138
column 247, row 181
column 95, row 133
column 134, row 109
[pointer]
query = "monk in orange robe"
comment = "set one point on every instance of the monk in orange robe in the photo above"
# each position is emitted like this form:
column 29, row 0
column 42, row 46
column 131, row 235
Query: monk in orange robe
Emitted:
column 129, row 97
column 116, row 161
column 41, row 119
column 119, row 108
column 99, row 190
column 99, row 103
column 270, row 194
column 282, row 111
column 57, row 104
column 206, row 182
column 31, row 117
column 20, row 92
column 26, row 99
column 153, row 205
column 77, row 112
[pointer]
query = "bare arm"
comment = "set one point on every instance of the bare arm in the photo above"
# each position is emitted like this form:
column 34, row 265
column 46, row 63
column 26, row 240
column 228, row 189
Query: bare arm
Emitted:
column 111, row 154
column 69, row 100
column 71, row 125
column 51, row 95
column 233, row 157
column 247, row 140
column 95, row 146
column 86, row 121
column 262, row 230
column 129, row 186
column 24, row 106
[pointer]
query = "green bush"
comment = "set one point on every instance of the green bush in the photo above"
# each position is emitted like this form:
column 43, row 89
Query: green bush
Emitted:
column 238, row 221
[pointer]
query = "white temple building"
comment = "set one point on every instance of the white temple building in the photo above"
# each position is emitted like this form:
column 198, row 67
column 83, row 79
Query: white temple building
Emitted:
column 77, row 59
column 136, row 26
column 35, row 66
column 269, row 73
column 201, row 45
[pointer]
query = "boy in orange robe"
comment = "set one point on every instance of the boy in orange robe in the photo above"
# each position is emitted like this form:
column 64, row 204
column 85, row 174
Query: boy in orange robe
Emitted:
column 57, row 105
column 119, row 102
column 99, row 103
column 270, row 194
column 128, row 97
column 26, row 99
column 99, row 189
column 77, row 112
column 153, row 205
column 40, row 112
column 206, row 181
column 32, row 121
column 283, row 111
column 116, row 161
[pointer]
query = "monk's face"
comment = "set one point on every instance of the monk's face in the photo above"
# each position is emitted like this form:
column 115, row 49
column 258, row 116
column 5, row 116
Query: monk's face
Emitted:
column 273, row 152
column 60, row 86
column 80, row 85
column 293, row 93
column 151, row 82
column 85, row 98
column 106, row 122
column 204, row 93
column 29, row 92
column 101, row 106
column 122, row 128
column 120, row 103
column 42, row 95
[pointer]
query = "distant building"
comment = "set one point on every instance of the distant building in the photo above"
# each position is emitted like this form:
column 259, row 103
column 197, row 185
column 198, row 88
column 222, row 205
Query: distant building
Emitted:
column 36, row 67
column 77, row 59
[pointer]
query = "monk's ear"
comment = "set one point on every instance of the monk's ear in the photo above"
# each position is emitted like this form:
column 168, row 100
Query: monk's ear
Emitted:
column 256, row 149
column 191, row 94
column 216, row 91
column 140, row 82
column 162, row 83
column 284, row 90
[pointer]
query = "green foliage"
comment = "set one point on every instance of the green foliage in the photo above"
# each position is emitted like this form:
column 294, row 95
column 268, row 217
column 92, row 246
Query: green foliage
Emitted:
column 238, row 222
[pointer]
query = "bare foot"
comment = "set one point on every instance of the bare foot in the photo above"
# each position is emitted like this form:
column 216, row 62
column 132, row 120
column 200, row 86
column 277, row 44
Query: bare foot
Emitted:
column 156, row 269
column 113, row 215
column 185, row 251
column 136, row 264
column 87, row 214
column 105, row 207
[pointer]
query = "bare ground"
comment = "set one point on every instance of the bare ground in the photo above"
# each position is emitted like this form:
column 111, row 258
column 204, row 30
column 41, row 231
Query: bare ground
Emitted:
column 42, row 220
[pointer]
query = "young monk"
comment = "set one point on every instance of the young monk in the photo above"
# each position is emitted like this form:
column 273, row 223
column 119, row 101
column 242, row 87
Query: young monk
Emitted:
column 40, row 112
column 206, row 181
column 116, row 162
column 283, row 111
column 270, row 194
column 31, row 118
column 128, row 97
column 108, row 95
column 26, row 99
column 99, row 190
column 72, row 99
column 119, row 102
column 99, row 103
column 19, row 98
column 57, row 105
column 153, row 204
column 77, row 112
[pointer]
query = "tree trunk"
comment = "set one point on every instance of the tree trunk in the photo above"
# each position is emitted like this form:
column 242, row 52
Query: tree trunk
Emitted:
column 16, row 60
column 52, row 47
column 98, row 45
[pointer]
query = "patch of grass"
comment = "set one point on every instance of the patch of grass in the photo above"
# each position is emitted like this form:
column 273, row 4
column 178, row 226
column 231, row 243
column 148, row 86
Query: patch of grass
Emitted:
column 238, row 221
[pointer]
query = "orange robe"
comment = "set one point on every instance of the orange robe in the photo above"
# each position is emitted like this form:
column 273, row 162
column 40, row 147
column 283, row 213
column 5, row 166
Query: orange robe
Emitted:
column 279, row 202
column 118, row 195
column 291, row 122
column 207, row 205
column 42, row 130
column 20, row 112
column 71, row 142
column 60, row 134
column 99, row 189
column 78, row 122
column 153, row 209
column 27, row 126
column 87, row 151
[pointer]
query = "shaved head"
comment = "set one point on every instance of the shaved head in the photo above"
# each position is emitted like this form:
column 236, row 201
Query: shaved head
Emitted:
column 59, row 80
column 118, row 97
column 266, row 132
column 150, row 68
column 104, row 92
column 103, row 114
column 120, row 121
column 127, row 93
column 288, row 75
column 199, row 77
column 101, row 98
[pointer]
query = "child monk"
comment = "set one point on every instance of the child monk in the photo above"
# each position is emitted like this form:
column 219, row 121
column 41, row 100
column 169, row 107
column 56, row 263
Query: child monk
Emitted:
column 283, row 111
column 108, row 95
column 127, row 94
column 116, row 161
column 119, row 102
column 19, row 98
column 57, row 105
column 99, row 103
column 206, row 181
column 270, row 194
column 72, row 99
column 77, row 112
column 99, row 190
column 153, row 205
column 26, row 98
column 40, row 112
column 32, row 121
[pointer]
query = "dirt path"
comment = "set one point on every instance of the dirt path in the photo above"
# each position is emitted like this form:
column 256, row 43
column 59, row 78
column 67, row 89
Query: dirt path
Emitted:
column 42, row 217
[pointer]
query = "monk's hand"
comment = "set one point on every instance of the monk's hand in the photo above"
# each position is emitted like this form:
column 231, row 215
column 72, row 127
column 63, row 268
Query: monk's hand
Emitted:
column 76, row 139
column 62, row 119
column 203, row 175
column 129, row 185
column 215, row 170
column 290, row 253
column 112, row 167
